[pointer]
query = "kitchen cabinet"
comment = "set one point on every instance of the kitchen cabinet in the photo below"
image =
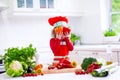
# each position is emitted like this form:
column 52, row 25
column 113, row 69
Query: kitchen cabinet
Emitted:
column 74, row 56
column 119, row 57
column 79, row 54
column 60, row 7
column 3, row 6
column 69, row 7
column 33, row 7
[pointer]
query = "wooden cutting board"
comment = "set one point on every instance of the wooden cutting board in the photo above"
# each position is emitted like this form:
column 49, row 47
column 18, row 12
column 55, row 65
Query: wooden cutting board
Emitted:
column 66, row 70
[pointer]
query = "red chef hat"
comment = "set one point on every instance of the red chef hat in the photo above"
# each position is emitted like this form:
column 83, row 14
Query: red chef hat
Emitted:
column 58, row 21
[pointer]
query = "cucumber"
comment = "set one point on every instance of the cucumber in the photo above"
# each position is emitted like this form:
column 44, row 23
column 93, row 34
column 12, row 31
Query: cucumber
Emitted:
column 95, row 73
column 101, row 74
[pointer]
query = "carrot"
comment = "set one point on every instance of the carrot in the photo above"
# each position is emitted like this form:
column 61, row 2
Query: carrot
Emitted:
column 58, row 30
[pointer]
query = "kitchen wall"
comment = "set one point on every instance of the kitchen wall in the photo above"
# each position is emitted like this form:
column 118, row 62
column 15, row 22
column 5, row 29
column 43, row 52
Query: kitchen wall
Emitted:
column 23, row 30
column 94, row 21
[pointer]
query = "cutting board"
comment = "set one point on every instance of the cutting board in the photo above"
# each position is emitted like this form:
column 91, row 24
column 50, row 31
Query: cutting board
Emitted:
column 54, row 71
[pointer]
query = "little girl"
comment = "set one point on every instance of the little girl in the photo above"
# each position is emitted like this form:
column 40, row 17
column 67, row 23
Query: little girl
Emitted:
column 60, row 43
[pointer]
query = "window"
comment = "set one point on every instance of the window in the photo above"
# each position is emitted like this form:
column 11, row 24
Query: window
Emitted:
column 50, row 4
column 42, row 4
column 46, row 4
column 20, row 3
column 115, row 15
column 29, row 3
column 25, row 3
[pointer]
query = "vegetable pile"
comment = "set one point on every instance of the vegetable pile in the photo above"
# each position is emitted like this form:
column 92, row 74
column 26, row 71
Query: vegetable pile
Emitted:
column 94, row 67
column 88, row 66
column 18, row 61
column 62, row 64
column 86, row 62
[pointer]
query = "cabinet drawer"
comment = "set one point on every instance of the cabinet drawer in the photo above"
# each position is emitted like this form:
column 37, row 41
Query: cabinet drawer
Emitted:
column 108, row 56
column 78, row 56
column 74, row 56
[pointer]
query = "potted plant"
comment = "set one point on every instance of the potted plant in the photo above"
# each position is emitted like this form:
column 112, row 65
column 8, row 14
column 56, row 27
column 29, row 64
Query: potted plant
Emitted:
column 75, row 39
column 110, row 35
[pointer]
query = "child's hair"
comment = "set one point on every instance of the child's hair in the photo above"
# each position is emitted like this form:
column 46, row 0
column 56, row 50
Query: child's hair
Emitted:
column 53, row 34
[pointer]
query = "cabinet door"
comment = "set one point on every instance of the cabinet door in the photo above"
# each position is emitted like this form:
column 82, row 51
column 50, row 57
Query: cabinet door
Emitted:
column 98, row 55
column 107, row 56
column 85, row 54
column 74, row 56
column 119, row 58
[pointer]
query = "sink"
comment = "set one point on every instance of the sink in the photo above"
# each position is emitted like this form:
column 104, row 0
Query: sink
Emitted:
column 2, row 70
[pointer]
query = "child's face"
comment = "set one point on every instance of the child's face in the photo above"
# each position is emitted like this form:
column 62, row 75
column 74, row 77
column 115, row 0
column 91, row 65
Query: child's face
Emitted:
column 62, row 31
column 58, row 30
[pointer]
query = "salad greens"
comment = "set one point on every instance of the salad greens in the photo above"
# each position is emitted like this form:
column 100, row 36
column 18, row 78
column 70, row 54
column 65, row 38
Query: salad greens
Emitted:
column 23, row 55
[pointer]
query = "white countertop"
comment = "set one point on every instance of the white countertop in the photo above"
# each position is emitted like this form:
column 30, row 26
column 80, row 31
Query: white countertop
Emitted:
column 114, row 47
column 63, row 76
column 84, row 47
column 97, row 47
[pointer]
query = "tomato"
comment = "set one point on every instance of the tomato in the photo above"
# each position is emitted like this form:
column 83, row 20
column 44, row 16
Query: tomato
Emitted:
column 66, row 30
column 29, row 74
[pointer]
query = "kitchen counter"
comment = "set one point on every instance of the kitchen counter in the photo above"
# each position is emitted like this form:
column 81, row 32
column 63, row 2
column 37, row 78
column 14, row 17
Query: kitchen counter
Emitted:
column 97, row 47
column 97, row 51
column 113, row 47
column 63, row 76
column 83, row 47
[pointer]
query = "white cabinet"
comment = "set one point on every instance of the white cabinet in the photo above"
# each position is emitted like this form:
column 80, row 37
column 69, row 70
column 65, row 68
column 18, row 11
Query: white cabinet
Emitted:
column 119, row 57
column 84, row 54
column 74, row 56
column 3, row 6
column 69, row 7
column 108, row 56
column 78, row 56
column 58, row 7
column 33, row 7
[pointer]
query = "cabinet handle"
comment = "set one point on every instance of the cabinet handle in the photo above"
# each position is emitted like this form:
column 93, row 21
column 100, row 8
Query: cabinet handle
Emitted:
column 76, row 52
column 95, row 53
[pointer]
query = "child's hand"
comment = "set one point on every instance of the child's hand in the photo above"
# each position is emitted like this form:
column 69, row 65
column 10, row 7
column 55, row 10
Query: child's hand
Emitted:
column 66, row 34
column 59, row 36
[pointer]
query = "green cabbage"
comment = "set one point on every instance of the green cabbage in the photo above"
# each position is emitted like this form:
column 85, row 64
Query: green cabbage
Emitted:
column 15, row 69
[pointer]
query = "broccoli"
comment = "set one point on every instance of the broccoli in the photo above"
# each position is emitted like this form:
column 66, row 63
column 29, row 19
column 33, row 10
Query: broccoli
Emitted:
column 86, row 62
